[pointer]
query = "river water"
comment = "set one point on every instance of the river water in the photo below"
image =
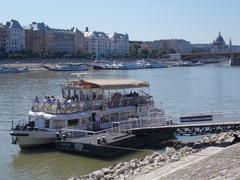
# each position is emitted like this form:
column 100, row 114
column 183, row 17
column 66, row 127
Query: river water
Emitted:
column 179, row 90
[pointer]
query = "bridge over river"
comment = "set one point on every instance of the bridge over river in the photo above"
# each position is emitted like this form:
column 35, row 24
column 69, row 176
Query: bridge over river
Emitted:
column 234, row 56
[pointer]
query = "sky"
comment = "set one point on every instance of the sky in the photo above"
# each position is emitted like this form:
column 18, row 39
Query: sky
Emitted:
column 197, row 21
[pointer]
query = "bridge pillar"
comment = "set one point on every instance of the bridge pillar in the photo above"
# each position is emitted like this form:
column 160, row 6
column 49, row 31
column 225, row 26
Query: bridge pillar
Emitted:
column 234, row 60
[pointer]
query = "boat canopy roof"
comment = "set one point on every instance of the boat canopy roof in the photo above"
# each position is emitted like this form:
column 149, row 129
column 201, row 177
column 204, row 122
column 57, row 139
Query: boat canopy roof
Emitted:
column 106, row 84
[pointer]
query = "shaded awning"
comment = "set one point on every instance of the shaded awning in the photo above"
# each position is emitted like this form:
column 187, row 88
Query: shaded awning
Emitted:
column 107, row 84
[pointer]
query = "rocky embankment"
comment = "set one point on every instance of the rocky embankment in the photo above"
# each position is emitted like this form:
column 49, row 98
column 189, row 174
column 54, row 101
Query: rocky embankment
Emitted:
column 174, row 152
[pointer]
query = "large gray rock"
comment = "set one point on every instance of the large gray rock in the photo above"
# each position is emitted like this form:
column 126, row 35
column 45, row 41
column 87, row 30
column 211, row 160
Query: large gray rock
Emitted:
column 197, row 145
column 154, row 155
column 170, row 151
column 119, row 165
column 120, row 171
column 221, row 138
column 174, row 158
column 73, row 178
column 108, row 177
column 98, row 174
column 133, row 165
column 106, row 170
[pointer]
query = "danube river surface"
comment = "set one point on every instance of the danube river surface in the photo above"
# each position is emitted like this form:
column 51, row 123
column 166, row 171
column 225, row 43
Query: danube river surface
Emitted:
column 179, row 90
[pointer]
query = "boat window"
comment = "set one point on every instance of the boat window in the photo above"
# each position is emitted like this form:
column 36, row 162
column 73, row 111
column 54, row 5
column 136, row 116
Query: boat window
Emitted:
column 114, row 116
column 125, row 115
column 73, row 122
column 85, row 120
column 69, row 93
column 105, row 118
column 131, row 114
column 143, row 109
column 47, row 123
column 122, row 116
column 65, row 93
column 57, row 124
column 31, row 118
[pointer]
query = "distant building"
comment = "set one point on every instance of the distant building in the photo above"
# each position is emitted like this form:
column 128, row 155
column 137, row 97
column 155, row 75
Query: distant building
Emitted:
column 173, row 45
column 118, row 44
column 63, row 40
column 2, row 36
column 175, row 57
column 219, row 44
column 235, row 48
column 40, row 38
column 15, row 37
column 97, row 43
column 79, row 40
column 49, row 41
column 201, row 48
column 148, row 45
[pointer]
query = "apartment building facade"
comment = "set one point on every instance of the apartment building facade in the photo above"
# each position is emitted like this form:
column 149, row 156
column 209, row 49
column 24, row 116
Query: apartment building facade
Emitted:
column 177, row 45
column 15, row 37
column 118, row 44
column 2, row 36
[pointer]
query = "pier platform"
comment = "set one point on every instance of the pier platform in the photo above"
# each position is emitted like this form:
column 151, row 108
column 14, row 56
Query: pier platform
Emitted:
column 107, row 144
column 134, row 133
column 190, row 129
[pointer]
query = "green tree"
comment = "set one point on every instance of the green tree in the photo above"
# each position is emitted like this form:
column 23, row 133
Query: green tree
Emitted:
column 3, row 54
column 134, row 50
column 172, row 51
column 144, row 53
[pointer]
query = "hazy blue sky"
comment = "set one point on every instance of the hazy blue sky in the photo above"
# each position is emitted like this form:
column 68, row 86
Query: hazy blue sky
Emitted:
column 194, row 20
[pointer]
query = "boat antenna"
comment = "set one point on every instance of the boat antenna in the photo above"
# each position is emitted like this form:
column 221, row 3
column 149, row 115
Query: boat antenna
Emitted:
column 12, row 120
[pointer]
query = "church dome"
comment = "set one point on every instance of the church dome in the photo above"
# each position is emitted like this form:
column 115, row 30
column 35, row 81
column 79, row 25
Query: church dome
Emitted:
column 219, row 40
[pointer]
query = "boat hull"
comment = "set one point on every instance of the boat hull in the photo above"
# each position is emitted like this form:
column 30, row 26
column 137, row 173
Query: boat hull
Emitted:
column 30, row 139
column 30, row 142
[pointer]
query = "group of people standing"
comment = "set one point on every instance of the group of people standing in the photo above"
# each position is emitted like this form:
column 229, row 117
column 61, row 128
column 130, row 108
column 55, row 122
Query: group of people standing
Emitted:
column 48, row 102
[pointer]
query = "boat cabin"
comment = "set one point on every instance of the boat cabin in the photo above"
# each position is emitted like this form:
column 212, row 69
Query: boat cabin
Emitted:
column 93, row 104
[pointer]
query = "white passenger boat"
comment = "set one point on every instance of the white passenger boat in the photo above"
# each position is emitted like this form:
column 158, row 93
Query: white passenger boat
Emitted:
column 69, row 67
column 133, row 65
column 155, row 65
column 4, row 69
column 87, row 105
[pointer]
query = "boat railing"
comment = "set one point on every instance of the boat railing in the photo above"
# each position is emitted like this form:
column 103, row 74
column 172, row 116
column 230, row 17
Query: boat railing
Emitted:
column 64, row 106
column 128, row 101
column 118, row 128
column 67, row 106
column 18, row 125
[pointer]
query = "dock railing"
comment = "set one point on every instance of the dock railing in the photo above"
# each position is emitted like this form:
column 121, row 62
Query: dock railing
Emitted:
column 217, row 116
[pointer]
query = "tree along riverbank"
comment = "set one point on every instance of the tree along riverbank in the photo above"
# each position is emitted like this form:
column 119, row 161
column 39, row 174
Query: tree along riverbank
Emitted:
column 175, row 151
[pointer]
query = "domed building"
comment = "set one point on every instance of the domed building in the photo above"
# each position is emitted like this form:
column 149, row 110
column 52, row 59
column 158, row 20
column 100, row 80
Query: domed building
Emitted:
column 219, row 40
column 219, row 44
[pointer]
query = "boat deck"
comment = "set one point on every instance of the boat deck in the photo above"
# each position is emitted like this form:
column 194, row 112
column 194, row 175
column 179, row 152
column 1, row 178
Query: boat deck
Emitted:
column 93, row 139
